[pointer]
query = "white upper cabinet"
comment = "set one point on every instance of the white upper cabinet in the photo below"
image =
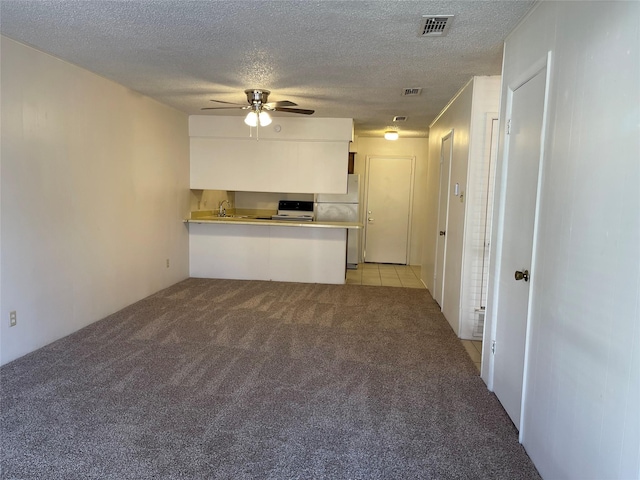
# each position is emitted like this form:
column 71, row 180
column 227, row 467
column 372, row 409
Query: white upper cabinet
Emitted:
column 297, row 155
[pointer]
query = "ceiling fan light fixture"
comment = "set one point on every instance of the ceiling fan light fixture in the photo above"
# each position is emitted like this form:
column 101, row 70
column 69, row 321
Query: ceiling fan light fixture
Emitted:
column 264, row 119
column 254, row 118
column 251, row 119
column 391, row 135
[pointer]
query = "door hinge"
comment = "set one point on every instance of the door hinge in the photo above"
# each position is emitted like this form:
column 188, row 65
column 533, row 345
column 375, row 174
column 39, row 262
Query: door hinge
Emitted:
column 493, row 347
column 509, row 127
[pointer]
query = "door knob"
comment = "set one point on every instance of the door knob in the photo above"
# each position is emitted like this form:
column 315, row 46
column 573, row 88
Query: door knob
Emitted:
column 522, row 275
column 442, row 233
column 370, row 219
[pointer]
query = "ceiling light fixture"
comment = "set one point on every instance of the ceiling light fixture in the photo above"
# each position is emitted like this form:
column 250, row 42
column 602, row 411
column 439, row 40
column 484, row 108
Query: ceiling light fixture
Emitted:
column 251, row 119
column 257, row 116
column 264, row 119
column 391, row 135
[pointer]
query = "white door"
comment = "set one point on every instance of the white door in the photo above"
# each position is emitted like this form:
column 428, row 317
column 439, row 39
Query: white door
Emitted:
column 523, row 149
column 389, row 190
column 446, row 151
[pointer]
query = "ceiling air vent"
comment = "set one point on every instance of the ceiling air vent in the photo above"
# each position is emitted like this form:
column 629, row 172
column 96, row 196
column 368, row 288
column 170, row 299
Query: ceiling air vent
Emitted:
column 399, row 118
column 408, row 92
column 435, row 25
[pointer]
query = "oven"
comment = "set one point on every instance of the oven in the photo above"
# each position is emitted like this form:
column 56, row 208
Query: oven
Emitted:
column 294, row 210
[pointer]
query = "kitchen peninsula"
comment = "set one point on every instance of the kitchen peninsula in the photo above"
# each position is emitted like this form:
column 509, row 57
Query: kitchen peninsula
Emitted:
column 299, row 156
column 240, row 247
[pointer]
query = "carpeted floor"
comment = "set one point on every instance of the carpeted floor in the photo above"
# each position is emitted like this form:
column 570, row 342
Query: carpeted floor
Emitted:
column 223, row 379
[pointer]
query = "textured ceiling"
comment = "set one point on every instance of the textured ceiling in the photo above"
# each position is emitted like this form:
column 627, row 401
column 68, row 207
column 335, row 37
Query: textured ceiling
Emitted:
column 341, row 58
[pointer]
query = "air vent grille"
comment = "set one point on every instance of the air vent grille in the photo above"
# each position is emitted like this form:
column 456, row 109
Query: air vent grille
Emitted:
column 435, row 25
column 408, row 92
column 399, row 118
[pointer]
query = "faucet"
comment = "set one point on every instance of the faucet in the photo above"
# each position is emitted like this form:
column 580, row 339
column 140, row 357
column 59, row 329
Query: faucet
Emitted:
column 222, row 211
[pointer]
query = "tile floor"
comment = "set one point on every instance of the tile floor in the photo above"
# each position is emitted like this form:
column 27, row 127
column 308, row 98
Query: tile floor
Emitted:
column 387, row 275
column 474, row 349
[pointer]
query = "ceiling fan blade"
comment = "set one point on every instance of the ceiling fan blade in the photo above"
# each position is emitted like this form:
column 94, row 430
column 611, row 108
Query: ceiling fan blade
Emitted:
column 223, row 108
column 230, row 103
column 282, row 103
column 295, row 110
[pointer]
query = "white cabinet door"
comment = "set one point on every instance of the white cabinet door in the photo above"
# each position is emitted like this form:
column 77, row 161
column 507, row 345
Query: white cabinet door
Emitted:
column 302, row 155
column 268, row 165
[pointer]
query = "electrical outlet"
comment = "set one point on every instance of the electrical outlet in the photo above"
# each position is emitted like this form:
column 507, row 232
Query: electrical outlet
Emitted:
column 13, row 318
column 167, row 263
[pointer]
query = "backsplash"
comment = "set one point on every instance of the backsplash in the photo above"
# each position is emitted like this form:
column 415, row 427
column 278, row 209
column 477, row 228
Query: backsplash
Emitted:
column 210, row 199
column 267, row 200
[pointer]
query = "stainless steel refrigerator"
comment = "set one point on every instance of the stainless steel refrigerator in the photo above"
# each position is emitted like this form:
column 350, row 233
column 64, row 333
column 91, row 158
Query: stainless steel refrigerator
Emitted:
column 343, row 208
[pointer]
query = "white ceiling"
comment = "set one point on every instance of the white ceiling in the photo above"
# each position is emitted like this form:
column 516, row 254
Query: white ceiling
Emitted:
column 341, row 58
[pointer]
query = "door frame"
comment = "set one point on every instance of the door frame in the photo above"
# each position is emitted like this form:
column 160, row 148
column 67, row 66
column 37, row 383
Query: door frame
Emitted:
column 492, row 125
column 489, row 338
column 365, row 210
column 448, row 135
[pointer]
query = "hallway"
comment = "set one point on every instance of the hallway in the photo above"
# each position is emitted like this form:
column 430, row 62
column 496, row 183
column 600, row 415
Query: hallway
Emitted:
column 408, row 276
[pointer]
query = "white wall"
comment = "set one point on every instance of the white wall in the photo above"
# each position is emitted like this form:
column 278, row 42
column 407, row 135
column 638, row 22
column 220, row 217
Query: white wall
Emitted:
column 457, row 117
column 582, row 379
column 466, row 116
column 95, row 184
column 486, row 99
column 403, row 147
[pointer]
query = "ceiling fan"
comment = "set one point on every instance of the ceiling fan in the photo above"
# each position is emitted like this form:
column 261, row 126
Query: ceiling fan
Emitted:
column 259, row 106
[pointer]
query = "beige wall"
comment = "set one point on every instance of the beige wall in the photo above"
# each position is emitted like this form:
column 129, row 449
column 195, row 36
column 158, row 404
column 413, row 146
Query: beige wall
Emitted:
column 95, row 184
column 415, row 147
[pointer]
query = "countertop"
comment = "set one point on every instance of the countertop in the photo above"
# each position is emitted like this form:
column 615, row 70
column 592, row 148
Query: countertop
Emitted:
column 259, row 218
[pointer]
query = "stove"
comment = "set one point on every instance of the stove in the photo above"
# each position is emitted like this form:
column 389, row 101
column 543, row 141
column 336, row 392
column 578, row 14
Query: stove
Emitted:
column 294, row 210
